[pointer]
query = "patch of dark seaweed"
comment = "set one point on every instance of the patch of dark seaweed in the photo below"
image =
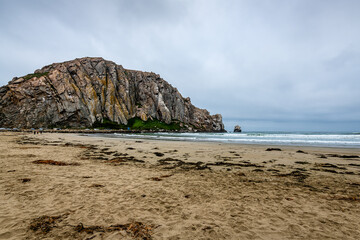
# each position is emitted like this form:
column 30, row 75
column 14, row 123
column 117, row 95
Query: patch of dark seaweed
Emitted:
column 324, row 170
column 57, row 163
column 330, row 170
column 125, row 159
column 301, row 169
column 227, row 164
column 159, row 154
column 302, row 162
column 329, row 165
column 137, row 230
column 342, row 156
column 95, row 185
column 99, row 158
column 25, row 180
column 273, row 149
column 354, row 165
column 155, row 179
column 354, row 184
column 120, row 154
column 346, row 198
column 108, row 153
column 299, row 175
column 45, row 224
column 176, row 163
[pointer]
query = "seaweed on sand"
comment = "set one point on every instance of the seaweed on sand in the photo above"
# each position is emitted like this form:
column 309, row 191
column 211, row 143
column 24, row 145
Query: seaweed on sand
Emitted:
column 45, row 224
column 347, row 198
column 159, row 154
column 137, row 230
column 273, row 149
column 161, row 177
column 302, row 162
column 95, row 185
column 25, row 180
column 173, row 163
column 125, row 159
column 57, row 163
column 299, row 175
column 342, row 156
column 329, row 165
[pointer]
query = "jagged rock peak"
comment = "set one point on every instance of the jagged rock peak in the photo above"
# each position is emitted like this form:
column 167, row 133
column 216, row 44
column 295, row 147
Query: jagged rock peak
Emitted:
column 86, row 90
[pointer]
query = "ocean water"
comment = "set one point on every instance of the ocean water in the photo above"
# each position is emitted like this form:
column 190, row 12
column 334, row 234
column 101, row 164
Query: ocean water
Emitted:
column 347, row 140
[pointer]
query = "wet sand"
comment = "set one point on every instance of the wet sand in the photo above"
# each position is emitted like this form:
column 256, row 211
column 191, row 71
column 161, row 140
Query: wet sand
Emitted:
column 68, row 186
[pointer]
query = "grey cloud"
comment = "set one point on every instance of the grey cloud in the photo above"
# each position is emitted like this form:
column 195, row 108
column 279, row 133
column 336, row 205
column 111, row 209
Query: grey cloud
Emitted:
column 260, row 60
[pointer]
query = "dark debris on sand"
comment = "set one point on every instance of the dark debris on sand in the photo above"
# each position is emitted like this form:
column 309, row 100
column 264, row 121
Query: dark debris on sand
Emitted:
column 346, row 198
column 137, row 230
column 161, row 177
column 342, row 156
column 297, row 174
column 172, row 163
column 25, row 180
column 159, row 154
column 329, row 165
column 301, row 162
column 95, row 185
column 45, row 224
column 273, row 149
column 57, row 163
column 125, row 159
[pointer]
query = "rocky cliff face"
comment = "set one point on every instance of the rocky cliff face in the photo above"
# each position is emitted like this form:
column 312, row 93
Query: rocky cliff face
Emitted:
column 79, row 92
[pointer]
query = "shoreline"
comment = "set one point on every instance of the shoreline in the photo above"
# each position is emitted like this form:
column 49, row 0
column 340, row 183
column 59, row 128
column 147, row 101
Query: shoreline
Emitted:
column 174, row 190
column 138, row 135
column 92, row 131
column 230, row 143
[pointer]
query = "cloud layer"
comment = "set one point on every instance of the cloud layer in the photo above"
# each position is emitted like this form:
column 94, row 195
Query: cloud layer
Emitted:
column 272, row 61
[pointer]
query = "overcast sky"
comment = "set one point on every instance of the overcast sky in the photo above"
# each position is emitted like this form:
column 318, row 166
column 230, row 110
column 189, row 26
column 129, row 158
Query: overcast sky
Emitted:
column 266, row 65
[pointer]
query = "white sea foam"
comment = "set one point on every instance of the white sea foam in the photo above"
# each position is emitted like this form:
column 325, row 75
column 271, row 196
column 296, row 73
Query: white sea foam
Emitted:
column 298, row 139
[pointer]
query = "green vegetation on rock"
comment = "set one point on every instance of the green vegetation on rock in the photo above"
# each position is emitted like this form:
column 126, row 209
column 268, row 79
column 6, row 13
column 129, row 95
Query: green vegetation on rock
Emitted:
column 138, row 124
column 31, row 75
column 108, row 124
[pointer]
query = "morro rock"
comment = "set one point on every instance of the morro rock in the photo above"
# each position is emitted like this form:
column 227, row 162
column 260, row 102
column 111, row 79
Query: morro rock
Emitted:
column 83, row 91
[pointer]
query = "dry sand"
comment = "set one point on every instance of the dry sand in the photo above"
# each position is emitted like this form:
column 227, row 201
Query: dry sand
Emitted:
column 128, row 189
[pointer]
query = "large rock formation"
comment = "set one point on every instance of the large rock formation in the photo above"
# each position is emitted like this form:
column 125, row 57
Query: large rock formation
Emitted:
column 80, row 92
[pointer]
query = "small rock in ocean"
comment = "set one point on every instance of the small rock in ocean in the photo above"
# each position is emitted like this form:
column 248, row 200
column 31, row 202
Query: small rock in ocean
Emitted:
column 237, row 128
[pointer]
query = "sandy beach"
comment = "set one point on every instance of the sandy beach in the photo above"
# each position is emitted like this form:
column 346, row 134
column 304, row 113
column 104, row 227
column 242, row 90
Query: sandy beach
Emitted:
column 72, row 186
